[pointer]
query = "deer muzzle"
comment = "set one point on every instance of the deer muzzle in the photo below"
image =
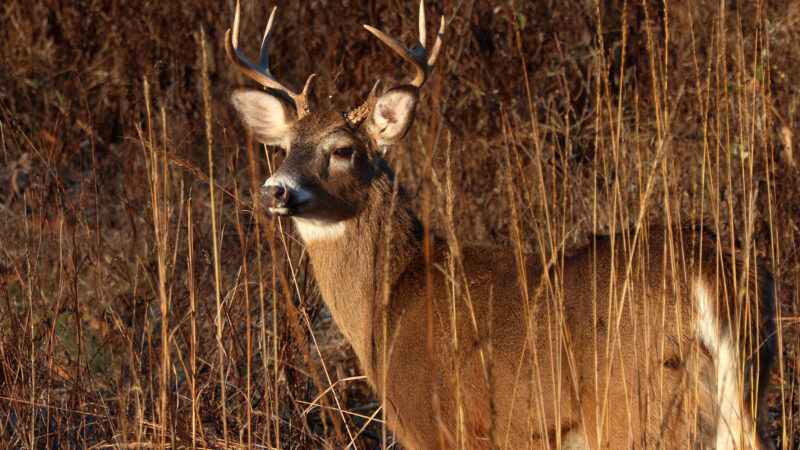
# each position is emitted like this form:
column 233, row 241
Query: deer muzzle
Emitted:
column 283, row 196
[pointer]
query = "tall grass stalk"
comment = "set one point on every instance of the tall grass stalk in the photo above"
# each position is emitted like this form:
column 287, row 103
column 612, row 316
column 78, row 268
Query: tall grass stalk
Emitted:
column 561, row 124
column 220, row 320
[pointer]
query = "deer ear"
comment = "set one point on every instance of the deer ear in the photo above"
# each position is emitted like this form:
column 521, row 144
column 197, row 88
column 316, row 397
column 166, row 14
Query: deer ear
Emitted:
column 392, row 115
column 269, row 116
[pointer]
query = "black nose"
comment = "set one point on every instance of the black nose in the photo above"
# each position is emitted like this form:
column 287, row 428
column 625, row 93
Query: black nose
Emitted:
column 274, row 196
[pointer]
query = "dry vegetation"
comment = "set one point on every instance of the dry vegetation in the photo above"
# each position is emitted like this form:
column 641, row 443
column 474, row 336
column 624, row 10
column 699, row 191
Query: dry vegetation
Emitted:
column 121, row 321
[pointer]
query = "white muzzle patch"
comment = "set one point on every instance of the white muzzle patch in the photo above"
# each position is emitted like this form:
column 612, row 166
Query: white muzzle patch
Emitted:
column 297, row 195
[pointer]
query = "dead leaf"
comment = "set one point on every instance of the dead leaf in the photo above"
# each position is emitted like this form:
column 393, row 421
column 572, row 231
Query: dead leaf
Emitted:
column 786, row 137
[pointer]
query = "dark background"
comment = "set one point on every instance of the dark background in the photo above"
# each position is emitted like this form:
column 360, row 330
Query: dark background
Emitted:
column 672, row 111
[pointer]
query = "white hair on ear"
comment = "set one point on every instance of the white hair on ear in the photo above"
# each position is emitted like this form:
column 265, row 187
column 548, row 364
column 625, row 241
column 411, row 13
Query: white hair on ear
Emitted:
column 392, row 116
column 262, row 112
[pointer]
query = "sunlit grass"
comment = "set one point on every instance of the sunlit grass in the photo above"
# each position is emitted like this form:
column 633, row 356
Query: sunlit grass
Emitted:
column 141, row 305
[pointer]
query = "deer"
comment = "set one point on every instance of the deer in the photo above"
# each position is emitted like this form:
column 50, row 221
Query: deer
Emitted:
column 633, row 351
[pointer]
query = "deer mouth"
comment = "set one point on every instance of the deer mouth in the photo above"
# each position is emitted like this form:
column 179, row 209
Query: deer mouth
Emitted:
column 292, row 207
column 287, row 210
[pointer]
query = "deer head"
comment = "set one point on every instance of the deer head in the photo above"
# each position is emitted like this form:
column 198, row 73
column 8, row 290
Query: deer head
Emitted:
column 333, row 157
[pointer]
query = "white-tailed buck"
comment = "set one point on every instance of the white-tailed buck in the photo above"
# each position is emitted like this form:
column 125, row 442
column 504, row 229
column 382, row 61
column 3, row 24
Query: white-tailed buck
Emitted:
column 648, row 338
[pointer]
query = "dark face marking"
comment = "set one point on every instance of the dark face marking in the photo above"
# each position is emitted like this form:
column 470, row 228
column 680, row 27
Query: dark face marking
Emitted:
column 328, row 169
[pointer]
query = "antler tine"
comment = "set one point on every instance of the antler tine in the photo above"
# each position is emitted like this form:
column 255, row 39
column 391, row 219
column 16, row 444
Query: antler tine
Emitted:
column 356, row 116
column 235, row 42
column 422, row 33
column 263, row 59
column 437, row 45
column 261, row 73
column 419, row 56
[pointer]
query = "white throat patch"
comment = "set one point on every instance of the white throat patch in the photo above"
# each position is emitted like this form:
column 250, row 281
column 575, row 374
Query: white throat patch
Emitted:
column 316, row 230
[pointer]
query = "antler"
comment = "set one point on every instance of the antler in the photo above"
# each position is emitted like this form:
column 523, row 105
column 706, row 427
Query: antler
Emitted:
column 261, row 73
column 356, row 116
column 419, row 56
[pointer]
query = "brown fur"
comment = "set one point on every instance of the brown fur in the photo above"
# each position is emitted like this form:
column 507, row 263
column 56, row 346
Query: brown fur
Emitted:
column 623, row 341
column 661, row 382
column 605, row 344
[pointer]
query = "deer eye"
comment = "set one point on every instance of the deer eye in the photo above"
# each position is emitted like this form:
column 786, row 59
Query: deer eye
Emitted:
column 343, row 152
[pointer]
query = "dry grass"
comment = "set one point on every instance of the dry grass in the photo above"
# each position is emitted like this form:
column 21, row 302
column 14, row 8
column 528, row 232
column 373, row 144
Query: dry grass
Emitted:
column 141, row 305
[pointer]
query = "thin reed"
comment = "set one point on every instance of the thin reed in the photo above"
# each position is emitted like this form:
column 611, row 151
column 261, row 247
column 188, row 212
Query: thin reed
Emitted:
column 143, row 305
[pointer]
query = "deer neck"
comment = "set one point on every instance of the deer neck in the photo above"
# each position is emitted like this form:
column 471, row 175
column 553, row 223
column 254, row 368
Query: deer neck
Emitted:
column 350, row 261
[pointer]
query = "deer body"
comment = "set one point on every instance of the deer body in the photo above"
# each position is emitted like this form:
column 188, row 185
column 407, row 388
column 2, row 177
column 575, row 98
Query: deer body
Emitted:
column 420, row 387
column 607, row 349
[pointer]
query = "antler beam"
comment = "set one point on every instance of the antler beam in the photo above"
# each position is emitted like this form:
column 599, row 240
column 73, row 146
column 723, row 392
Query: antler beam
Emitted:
column 419, row 55
column 261, row 72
